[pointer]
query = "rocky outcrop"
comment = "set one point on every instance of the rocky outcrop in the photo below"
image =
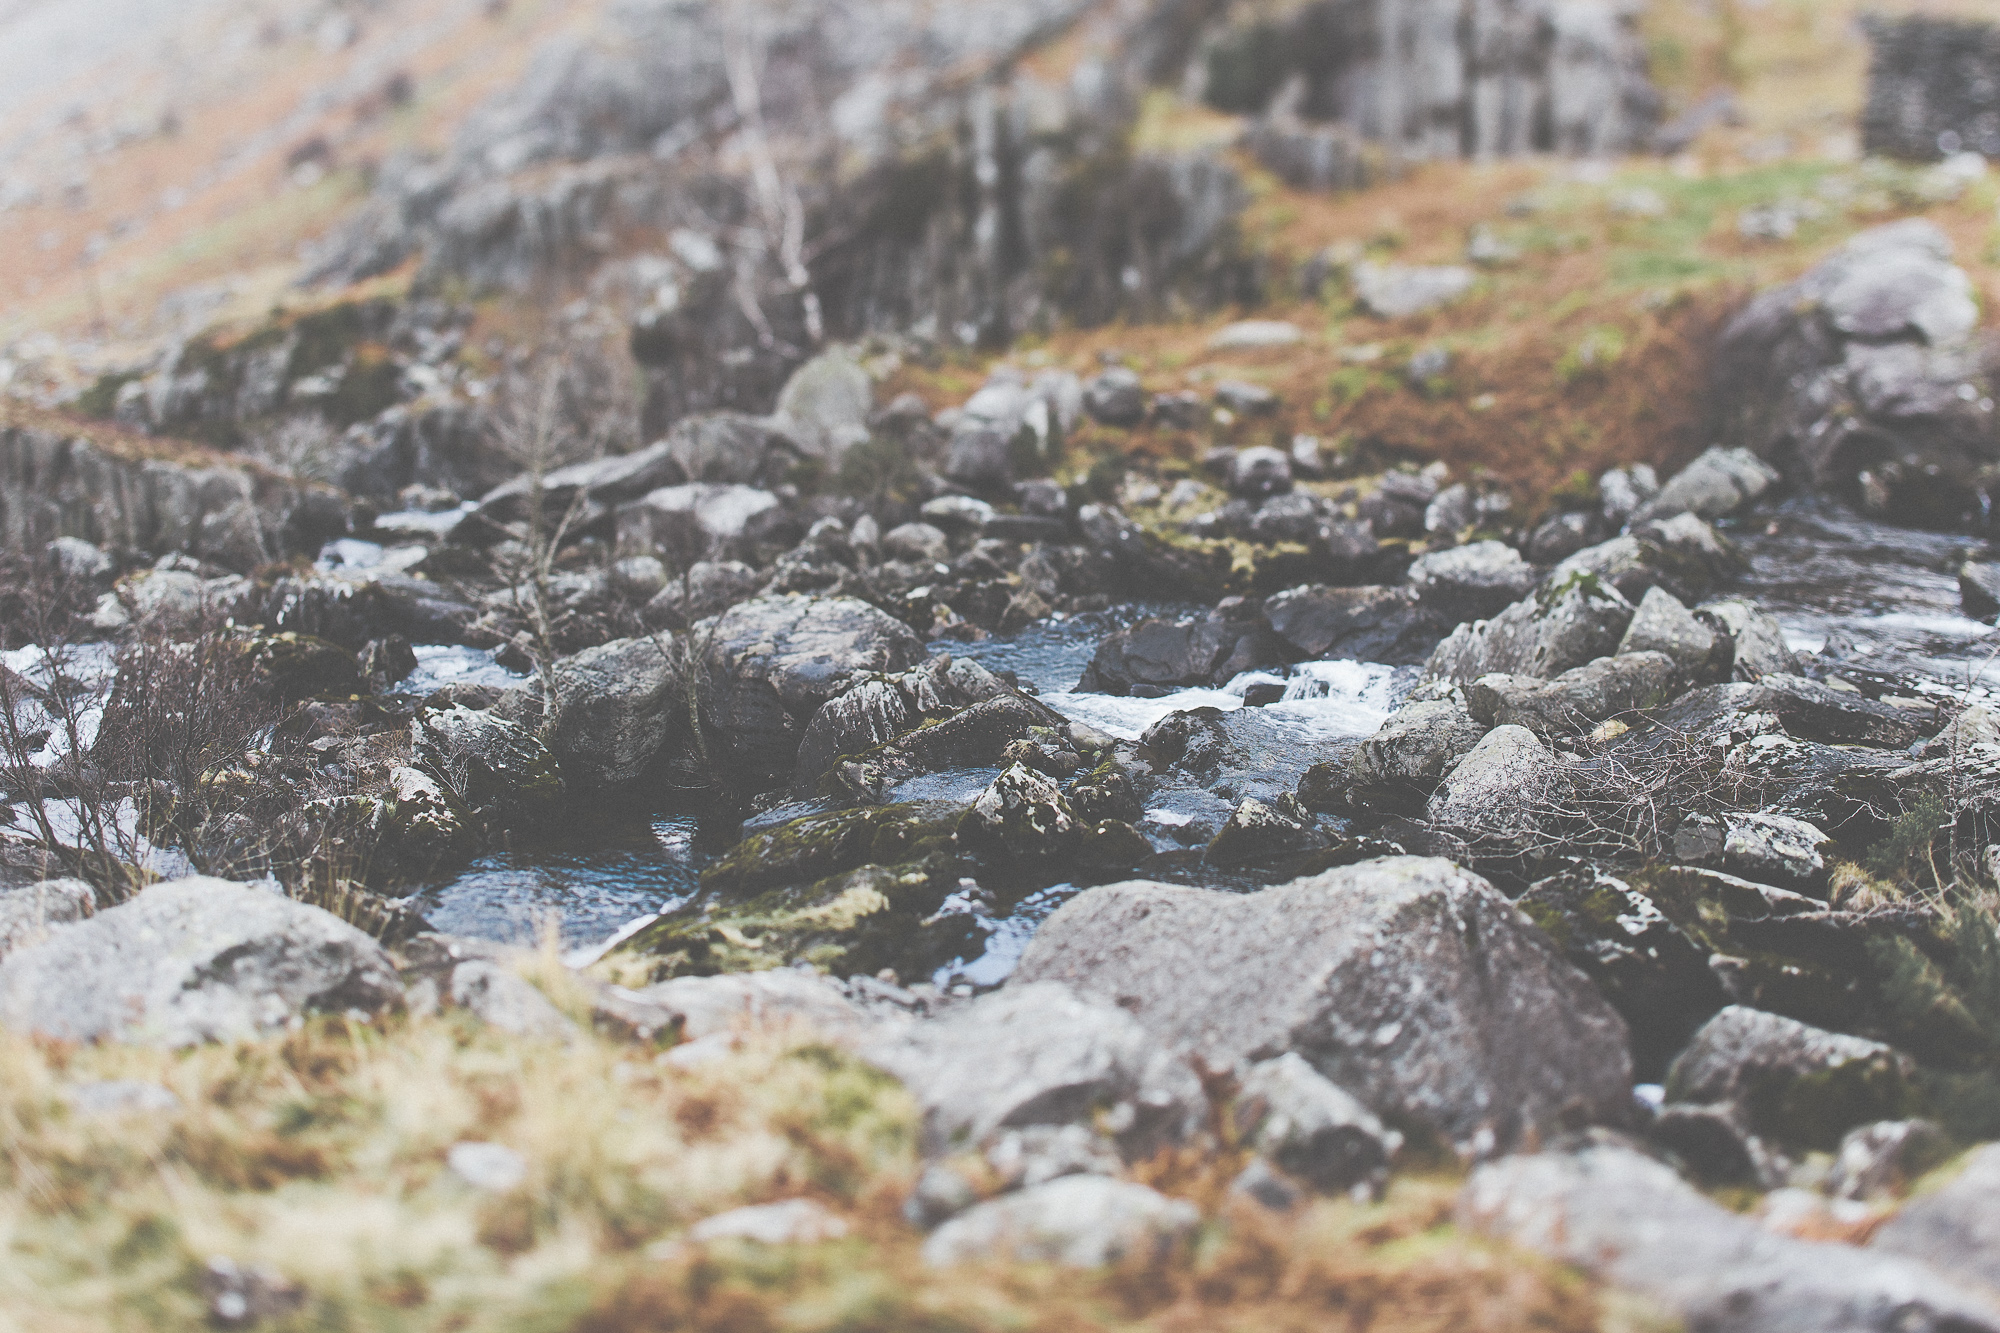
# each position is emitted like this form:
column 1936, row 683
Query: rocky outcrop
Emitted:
column 1408, row 982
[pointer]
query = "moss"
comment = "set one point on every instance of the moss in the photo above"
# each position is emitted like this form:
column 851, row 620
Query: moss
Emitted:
column 811, row 848
column 100, row 400
column 1817, row 1109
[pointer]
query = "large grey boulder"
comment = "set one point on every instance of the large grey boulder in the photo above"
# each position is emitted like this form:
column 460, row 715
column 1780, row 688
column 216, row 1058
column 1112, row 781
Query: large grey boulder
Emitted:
column 1717, row 484
column 1036, row 1054
column 1407, row 981
column 877, row 709
column 1080, row 1221
column 1421, row 742
column 808, row 649
column 1663, row 624
column 1569, row 621
column 28, row 914
column 824, row 406
column 1290, row 1113
column 1955, row 1228
column 489, row 762
column 1472, row 582
column 1790, row 1081
column 616, row 704
column 1628, row 1220
column 729, row 448
column 194, row 960
column 1682, row 554
column 1504, row 792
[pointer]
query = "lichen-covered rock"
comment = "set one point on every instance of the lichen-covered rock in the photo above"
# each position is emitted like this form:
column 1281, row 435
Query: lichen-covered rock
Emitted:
column 194, row 960
column 1756, row 637
column 1256, row 832
column 1663, row 624
column 1578, row 699
column 809, row 649
column 1791, row 1081
column 1408, row 982
column 1571, row 620
column 494, row 766
column 1769, row 848
column 811, row 848
column 1718, row 483
column 824, row 406
column 1682, row 554
column 1504, row 792
column 1412, row 751
column 1290, row 1113
column 1472, row 582
column 1021, row 816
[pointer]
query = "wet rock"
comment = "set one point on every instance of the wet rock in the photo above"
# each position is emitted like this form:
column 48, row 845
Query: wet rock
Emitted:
column 1160, row 655
column 813, row 847
column 1402, row 763
column 682, row 524
column 1115, row 398
column 1662, row 624
column 1259, row 472
column 616, row 705
column 1396, row 291
column 1578, row 699
column 493, row 766
column 194, row 960
column 1503, row 792
column 1373, row 624
column 1472, row 582
column 1035, row 1054
column 1245, row 400
column 1954, row 1228
column 421, row 826
column 804, row 650
column 878, row 710
column 1717, row 484
column 1569, row 621
column 1979, row 589
column 1313, row 1130
column 1682, row 554
column 1021, row 816
column 384, row 663
column 28, row 914
column 990, row 732
column 1077, row 1222
column 1884, row 1159
column 1757, row 640
column 1652, row 973
column 824, row 406
column 1623, row 491
column 1628, row 1220
column 1791, row 1081
column 1256, row 832
column 1408, row 982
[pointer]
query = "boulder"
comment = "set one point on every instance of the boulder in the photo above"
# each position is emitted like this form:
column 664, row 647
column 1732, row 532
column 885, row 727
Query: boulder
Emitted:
column 998, row 730
column 1757, row 639
column 590, row 489
column 1954, row 1228
column 1769, row 848
column 194, row 960
column 1663, row 624
column 494, row 766
column 1259, row 833
column 1244, row 399
column 824, row 406
column 502, row 999
column 1365, row 624
column 1036, row 1054
column 1628, row 1220
column 1259, row 472
column 28, row 914
column 684, row 524
column 1682, row 554
column 918, row 542
column 1115, row 398
column 1406, row 981
column 879, row 709
column 980, row 458
column 616, row 705
column 1396, row 291
column 1790, row 1081
column 1578, row 699
column 1569, row 621
column 1884, row 1159
column 1312, row 1130
column 729, row 448
column 1812, row 710
column 1472, row 582
column 1412, row 751
column 1504, row 792
column 708, row 588
column 1715, row 485
column 421, row 827
column 1158, row 655
column 1077, row 1222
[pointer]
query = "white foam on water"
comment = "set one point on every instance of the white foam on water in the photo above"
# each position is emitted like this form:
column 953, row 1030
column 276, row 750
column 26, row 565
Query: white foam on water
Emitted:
column 442, row 664
column 1341, row 698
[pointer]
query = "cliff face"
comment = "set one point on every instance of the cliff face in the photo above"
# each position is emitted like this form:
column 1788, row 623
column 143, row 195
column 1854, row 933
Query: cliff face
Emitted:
column 57, row 484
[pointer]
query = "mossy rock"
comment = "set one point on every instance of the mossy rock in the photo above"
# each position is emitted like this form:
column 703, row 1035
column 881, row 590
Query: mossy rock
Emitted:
column 856, row 922
column 809, row 849
column 300, row 666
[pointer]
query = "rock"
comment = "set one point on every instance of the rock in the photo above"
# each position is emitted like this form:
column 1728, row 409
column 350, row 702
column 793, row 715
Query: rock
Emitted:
column 1259, row 472
column 1259, row 833
column 1773, row 849
column 1570, row 621
column 804, row 650
column 825, row 406
column 1662, row 624
column 1408, row 982
column 1034, row 1054
column 1953, row 1228
column 1077, row 1222
column 995, row 731
column 1116, row 398
column 1288, row 1112
column 1041, row 1153
column 773, row 1001
column 1245, row 400
column 385, row 663
column 1251, row 335
column 1628, row 1220
column 169, row 599
column 1412, row 751
column 1715, row 1147
column 1503, row 792
column 193, row 960
column 684, row 524
column 1563, row 536
column 1161, row 654
column 1452, row 513
column 1426, row 367
column 980, row 459
column 503, row 1000
column 490, row 764
column 487, row 1166
column 1472, row 582
column 78, row 560
column 422, row 826
column 1682, row 554
column 1757, row 638
column 1623, row 491
column 1715, row 485
column 1366, row 624
column 918, row 542
column 792, row 1222
column 1812, row 710
column 879, row 709
column 1021, row 816
column 1652, row 973
column 1578, row 699
column 589, row 489
column 1886, row 1158
column 120, row 1096
column 1791, row 1082
column 616, row 705
column 729, row 448
column 1397, row 291
column 1979, row 589
column 27, row 915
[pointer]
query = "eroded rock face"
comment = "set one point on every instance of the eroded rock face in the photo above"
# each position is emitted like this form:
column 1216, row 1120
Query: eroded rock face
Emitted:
column 1628, row 1219
column 194, row 960
column 1406, row 981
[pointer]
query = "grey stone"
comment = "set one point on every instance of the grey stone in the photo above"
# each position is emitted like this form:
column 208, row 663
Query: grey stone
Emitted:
column 1255, row 335
column 729, row 448
column 683, row 524
column 809, row 649
column 1954, row 1228
column 1562, row 536
column 1682, row 554
column 1244, row 399
column 1162, row 653
column 490, row 763
column 741, row 1002
column 1472, row 582
column 1115, row 398
column 1884, row 1159
column 1395, row 291
column 790, row 1222
column 981, row 459
column 616, row 704
column 1628, row 1220
column 1775, row 849
column 1502, row 791
column 1623, row 491
column 825, row 405
column 1407, row 981
column 1256, row 832
column 77, row 559
column 1036, row 1154
column 504, row 1000
column 1315, row 1131
column 1812, row 710
column 1450, row 513
column 1418, row 744
column 1257, row 472
column 194, row 960
column 1717, row 484
column 1663, row 624
column 27, row 915
column 1792, row 1082
column 1369, row 624
column 916, row 541
column 1077, row 1222
column 1979, row 589
column 487, row 1166
column 1578, row 699
column 878, row 709
column 1758, row 638
column 959, row 512
column 1571, row 620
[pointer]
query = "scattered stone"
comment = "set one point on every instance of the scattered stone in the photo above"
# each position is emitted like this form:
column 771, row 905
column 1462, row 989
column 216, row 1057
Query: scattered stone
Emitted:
column 1791, row 1082
column 1116, row 398
column 1682, row 554
column 1396, row 291
column 1717, row 484
column 792, row 1222
column 825, row 405
column 1663, row 624
column 1077, row 1221
column 1244, row 399
column 1472, row 582
column 1571, row 620
column 1412, row 751
column 1409, row 982
column 693, row 522
column 1260, row 472
column 503, row 1000
column 194, row 960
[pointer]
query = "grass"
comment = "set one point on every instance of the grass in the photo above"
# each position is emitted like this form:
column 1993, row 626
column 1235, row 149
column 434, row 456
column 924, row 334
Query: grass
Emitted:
column 321, row 1157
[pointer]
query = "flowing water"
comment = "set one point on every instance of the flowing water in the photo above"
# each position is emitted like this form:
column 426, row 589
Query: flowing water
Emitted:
column 1879, row 597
